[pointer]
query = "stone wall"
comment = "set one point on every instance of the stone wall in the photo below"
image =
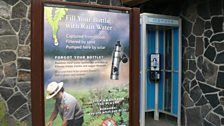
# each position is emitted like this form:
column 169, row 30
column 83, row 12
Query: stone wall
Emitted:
column 15, row 62
column 203, row 62
column 15, row 67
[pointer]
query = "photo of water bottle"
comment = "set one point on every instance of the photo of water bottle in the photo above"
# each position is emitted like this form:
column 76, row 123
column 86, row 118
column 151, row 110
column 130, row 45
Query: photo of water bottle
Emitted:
column 117, row 56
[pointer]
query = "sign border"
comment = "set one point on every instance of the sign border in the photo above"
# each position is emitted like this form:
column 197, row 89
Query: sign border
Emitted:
column 37, row 58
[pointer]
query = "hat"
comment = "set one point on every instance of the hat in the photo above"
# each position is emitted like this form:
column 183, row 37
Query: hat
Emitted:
column 53, row 88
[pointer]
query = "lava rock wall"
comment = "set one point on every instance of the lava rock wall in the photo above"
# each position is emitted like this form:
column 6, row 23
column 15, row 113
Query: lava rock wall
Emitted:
column 203, row 62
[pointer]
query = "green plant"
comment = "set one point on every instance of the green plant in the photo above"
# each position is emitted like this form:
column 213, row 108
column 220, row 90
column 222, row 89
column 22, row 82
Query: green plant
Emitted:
column 21, row 123
column 3, row 121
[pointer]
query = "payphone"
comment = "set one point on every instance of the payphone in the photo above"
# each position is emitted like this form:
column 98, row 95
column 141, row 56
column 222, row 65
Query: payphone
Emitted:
column 160, row 67
column 154, row 67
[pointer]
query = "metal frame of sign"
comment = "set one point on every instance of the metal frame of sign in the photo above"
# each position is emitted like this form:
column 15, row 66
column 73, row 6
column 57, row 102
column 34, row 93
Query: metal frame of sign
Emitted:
column 37, row 58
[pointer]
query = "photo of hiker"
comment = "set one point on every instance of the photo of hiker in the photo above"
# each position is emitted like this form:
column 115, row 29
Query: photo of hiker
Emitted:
column 66, row 106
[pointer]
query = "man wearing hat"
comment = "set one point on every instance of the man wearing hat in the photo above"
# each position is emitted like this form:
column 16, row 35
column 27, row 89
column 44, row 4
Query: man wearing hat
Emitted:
column 66, row 105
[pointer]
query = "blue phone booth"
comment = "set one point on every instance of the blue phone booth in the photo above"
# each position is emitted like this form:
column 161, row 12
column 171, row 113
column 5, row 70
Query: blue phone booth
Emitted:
column 160, row 66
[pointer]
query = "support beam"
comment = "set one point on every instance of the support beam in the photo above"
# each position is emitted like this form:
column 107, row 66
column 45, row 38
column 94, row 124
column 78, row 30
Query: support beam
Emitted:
column 133, row 2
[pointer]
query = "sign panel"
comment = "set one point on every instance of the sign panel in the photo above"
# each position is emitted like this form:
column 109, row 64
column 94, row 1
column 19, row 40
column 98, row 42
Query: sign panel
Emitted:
column 86, row 67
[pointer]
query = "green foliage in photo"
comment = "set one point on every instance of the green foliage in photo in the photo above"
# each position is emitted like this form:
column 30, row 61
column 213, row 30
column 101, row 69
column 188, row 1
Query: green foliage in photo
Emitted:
column 54, row 20
column 86, row 97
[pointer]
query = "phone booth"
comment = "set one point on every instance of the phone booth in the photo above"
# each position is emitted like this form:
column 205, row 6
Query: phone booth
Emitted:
column 160, row 66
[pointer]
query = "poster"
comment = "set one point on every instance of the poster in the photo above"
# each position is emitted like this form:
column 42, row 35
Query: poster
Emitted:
column 88, row 51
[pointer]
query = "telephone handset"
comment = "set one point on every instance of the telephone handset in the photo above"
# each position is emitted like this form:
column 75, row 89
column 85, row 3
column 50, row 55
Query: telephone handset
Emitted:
column 155, row 67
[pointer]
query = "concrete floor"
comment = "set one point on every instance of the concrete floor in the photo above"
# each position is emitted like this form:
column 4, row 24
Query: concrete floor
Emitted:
column 163, row 121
